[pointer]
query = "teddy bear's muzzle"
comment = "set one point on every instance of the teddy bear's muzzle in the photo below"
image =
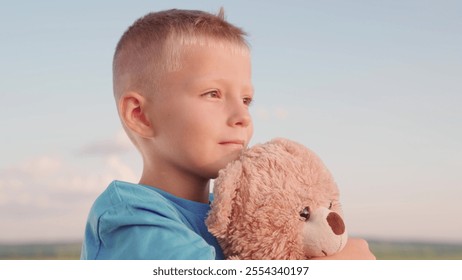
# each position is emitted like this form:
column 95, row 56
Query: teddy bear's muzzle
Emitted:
column 336, row 223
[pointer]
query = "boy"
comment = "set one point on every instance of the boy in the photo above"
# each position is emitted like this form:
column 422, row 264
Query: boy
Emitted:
column 182, row 84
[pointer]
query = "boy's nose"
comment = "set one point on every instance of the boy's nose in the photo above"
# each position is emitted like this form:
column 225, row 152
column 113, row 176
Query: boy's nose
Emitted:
column 240, row 116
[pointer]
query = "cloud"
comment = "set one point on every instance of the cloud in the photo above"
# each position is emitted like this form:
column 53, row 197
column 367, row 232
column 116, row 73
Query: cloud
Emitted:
column 47, row 198
column 271, row 113
column 119, row 144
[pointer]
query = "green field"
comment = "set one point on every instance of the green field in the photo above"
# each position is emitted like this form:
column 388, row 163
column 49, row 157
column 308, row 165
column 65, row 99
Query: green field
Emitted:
column 383, row 250
column 386, row 250
column 58, row 251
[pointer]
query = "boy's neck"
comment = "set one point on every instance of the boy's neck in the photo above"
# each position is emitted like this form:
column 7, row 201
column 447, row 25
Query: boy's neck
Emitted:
column 187, row 188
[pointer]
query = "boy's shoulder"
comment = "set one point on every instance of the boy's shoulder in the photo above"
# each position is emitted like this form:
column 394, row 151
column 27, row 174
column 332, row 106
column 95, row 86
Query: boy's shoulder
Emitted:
column 125, row 195
column 123, row 198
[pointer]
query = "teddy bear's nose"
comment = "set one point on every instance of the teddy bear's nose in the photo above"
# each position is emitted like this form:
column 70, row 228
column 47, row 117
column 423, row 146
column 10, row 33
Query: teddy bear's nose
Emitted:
column 336, row 223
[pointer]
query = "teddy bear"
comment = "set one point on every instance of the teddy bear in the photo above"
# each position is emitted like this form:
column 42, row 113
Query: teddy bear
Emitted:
column 277, row 201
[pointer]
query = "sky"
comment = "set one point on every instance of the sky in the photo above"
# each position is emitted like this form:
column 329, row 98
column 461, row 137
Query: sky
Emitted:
column 373, row 87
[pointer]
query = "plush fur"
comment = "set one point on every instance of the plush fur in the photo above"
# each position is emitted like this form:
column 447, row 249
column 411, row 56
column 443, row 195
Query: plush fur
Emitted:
column 277, row 201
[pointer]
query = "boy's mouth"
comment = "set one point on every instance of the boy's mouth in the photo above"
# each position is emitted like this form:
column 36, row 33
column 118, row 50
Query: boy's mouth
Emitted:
column 232, row 142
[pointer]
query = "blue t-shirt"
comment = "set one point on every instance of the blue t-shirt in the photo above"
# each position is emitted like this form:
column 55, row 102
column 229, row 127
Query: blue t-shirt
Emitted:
column 131, row 221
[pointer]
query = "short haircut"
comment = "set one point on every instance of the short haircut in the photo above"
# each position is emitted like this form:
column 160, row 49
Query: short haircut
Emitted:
column 154, row 43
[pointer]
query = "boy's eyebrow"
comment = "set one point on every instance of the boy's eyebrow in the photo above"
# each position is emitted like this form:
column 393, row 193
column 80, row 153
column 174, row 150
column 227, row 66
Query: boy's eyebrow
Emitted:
column 201, row 81
column 206, row 82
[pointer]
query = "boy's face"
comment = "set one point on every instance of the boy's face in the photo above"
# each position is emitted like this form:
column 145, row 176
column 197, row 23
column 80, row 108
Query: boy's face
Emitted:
column 200, row 115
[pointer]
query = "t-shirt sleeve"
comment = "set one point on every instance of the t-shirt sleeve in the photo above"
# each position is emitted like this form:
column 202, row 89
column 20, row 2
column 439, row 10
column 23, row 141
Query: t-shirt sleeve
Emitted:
column 131, row 233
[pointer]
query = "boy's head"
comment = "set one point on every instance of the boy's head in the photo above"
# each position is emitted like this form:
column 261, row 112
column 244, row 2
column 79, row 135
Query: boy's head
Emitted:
column 182, row 83
column 153, row 46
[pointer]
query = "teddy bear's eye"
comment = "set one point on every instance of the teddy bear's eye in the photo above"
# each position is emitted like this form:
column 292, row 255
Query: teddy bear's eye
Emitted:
column 305, row 213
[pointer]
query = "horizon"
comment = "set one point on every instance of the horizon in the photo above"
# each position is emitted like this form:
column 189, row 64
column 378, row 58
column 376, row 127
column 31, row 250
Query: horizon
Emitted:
column 369, row 239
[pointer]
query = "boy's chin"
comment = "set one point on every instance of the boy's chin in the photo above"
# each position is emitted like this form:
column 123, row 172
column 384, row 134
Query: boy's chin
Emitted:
column 215, row 168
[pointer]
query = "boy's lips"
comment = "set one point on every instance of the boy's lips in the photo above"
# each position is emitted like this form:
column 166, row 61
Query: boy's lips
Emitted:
column 232, row 142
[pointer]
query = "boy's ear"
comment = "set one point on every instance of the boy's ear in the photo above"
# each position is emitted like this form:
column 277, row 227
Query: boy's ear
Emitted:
column 132, row 110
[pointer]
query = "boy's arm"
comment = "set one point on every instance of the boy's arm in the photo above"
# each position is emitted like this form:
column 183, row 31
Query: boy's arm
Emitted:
column 355, row 249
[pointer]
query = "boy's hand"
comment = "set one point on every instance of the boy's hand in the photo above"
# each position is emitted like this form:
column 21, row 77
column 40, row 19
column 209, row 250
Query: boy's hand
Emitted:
column 355, row 249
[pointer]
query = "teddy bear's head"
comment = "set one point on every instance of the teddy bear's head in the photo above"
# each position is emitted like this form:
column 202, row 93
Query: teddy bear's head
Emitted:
column 277, row 201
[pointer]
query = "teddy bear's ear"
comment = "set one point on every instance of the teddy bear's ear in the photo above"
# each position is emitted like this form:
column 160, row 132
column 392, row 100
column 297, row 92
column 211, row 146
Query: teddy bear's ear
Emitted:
column 225, row 191
column 299, row 151
column 290, row 146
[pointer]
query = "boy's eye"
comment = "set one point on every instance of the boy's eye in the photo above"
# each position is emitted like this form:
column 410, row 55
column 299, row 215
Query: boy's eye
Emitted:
column 247, row 101
column 212, row 93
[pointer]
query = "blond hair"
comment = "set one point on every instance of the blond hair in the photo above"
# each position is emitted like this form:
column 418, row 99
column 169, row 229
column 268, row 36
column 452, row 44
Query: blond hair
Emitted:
column 154, row 43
